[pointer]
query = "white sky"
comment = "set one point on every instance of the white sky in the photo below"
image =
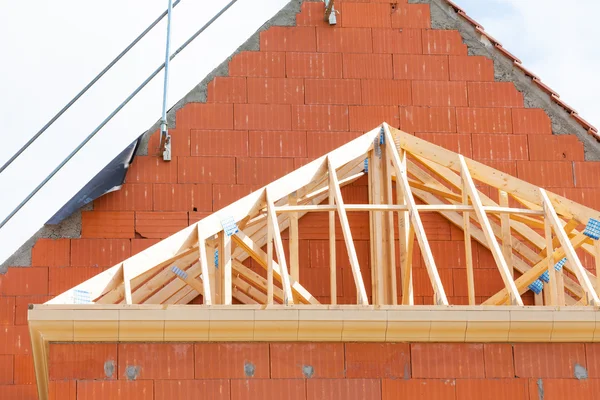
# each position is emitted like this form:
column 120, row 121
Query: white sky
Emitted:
column 52, row 49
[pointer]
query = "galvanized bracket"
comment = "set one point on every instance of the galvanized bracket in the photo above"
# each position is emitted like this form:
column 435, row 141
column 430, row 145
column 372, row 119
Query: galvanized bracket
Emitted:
column 330, row 12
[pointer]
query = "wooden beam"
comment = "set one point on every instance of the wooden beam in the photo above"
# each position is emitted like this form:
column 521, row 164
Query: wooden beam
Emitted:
column 260, row 256
column 207, row 297
column 580, row 272
column 388, row 231
column 225, row 267
column 287, row 288
column 332, row 250
column 469, row 186
column 258, row 282
column 293, row 229
column 127, row 285
column 402, row 178
column 377, row 242
column 270, row 261
column 406, row 241
column 597, row 261
column 407, row 289
column 358, row 280
column 468, row 248
column 553, row 288
column 506, row 236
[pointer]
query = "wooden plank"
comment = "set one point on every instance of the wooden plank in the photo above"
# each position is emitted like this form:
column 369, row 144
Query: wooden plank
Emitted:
column 127, row 285
column 293, row 229
column 358, row 280
column 597, row 261
column 514, row 295
column 388, row 231
column 255, row 251
column 287, row 288
column 376, row 224
column 406, row 241
column 332, row 255
column 402, row 178
column 580, row 272
column 468, row 248
column 569, row 227
column 207, row 297
column 225, row 265
column 506, row 236
column 258, row 282
column 270, row 261
column 551, row 289
column 407, row 289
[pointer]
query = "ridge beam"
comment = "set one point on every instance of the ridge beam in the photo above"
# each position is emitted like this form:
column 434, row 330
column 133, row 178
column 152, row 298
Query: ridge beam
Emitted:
column 590, row 295
column 402, row 177
column 358, row 279
column 469, row 186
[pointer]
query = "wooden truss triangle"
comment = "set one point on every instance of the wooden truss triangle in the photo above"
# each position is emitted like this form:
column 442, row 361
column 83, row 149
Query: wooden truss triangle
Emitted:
column 534, row 247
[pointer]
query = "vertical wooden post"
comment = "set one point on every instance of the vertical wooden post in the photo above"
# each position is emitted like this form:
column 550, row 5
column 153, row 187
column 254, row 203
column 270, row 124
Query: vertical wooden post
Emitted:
column 597, row 260
column 406, row 239
column 206, row 278
column 225, row 268
column 270, row 257
column 377, row 242
column 505, row 230
column 552, row 295
column 391, row 290
column 332, row 255
column 294, row 262
column 213, row 277
column 468, row 243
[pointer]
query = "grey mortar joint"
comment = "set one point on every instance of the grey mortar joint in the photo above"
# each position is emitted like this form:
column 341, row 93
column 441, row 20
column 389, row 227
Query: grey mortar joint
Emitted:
column 443, row 16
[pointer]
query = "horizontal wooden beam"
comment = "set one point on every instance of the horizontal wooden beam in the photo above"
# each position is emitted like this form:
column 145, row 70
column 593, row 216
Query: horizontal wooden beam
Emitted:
column 396, row 207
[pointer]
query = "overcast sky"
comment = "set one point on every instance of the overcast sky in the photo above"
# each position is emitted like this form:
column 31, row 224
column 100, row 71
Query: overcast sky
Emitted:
column 52, row 49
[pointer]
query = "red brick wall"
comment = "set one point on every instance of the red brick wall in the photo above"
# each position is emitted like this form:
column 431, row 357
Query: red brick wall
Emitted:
column 320, row 371
column 309, row 89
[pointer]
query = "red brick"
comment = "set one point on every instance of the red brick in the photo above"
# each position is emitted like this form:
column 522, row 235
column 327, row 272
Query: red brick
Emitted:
column 443, row 42
column 509, row 167
column 307, row 360
column 411, row 16
column 488, row 281
column 428, row 119
column 399, row 41
column 206, row 170
column 257, row 389
column 320, row 118
column 262, row 116
column 131, row 197
column 498, row 360
column 182, row 197
column 587, row 196
column 83, row 361
column 156, row 360
column 139, row 245
column 439, row 93
column 560, row 389
column 592, row 353
column 15, row 339
column 205, row 116
column 276, row 90
column 7, row 310
column 422, row 283
column 6, row 369
column 447, row 360
column 365, row 118
column 159, row 225
column 587, row 174
column 393, row 389
column 449, row 254
column 311, row 226
column 368, row 66
column 492, row 389
column 24, row 371
column 258, row 63
column 288, row 38
column 51, row 253
column 62, row 279
column 194, row 216
column 261, row 171
column 471, row 68
column 62, row 390
column 346, row 40
column 364, row 15
column 421, row 67
column 494, row 94
column 277, row 144
column 546, row 173
column 378, row 360
column 436, row 226
column 500, row 147
column 318, row 283
column 217, row 389
column 227, row 89
column 24, row 281
column 101, row 390
column 386, row 92
column 531, row 121
column 555, row 148
column 313, row 65
column 219, row 143
column 548, row 360
column 457, row 142
column 148, row 169
column 484, row 120
column 107, row 224
column 22, row 305
column 333, row 91
column 351, row 389
column 223, row 195
column 19, row 392
column 232, row 360
column 319, row 143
